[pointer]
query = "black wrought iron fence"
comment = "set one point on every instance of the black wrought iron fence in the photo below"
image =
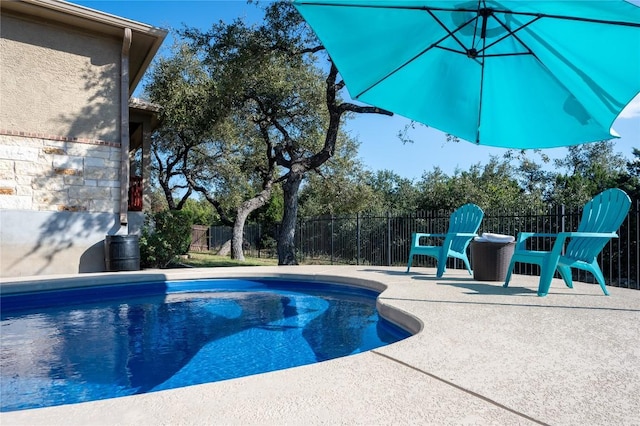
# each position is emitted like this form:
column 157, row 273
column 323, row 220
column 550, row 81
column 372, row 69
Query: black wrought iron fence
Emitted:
column 253, row 244
column 384, row 239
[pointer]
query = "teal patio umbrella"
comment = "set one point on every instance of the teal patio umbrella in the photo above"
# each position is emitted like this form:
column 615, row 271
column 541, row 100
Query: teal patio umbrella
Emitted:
column 517, row 74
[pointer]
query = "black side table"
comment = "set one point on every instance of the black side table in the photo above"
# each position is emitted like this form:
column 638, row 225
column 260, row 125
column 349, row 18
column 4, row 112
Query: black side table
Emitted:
column 490, row 260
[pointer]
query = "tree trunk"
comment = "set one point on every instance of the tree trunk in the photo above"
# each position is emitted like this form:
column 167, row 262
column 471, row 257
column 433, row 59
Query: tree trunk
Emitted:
column 242, row 214
column 238, row 234
column 225, row 249
column 286, row 239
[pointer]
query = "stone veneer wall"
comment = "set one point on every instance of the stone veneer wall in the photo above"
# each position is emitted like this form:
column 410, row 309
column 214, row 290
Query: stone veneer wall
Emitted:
column 43, row 174
column 58, row 199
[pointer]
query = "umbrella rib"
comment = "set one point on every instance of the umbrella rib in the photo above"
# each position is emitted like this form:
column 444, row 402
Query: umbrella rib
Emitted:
column 390, row 73
column 466, row 53
column 496, row 55
column 475, row 29
column 452, row 34
column 573, row 18
column 510, row 33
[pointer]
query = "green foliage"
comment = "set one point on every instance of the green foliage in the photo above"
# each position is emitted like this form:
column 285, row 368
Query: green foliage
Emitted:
column 492, row 186
column 630, row 180
column 533, row 178
column 190, row 117
column 515, row 181
column 158, row 202
column 271, row 213
column 590, row 169
column 334, row 195
column 237, row 107
column 165, row 235
column 200, row 212
column 268, row 243
column 393, row 193
column 339, row 185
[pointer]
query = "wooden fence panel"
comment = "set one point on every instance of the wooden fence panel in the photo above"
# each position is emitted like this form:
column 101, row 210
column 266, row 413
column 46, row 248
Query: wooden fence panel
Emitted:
column 199, row 238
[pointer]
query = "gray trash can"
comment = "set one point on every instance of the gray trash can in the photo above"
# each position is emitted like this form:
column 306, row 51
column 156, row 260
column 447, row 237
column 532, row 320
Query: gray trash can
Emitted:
column 490, row 260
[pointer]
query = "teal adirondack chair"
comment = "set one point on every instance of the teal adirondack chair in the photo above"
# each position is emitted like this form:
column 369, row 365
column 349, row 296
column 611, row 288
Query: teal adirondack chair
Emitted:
column 601, row 218
column 463, row 226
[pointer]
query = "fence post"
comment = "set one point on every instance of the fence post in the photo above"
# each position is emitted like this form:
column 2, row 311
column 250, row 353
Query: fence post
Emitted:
column 332, row 239
column 562, row 228
column 358, row 238
column 388, row 238
column 636, row 276
column 299, row 241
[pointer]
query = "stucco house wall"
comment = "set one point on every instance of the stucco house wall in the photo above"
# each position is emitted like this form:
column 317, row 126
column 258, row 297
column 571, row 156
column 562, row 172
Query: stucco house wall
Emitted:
column 64, row 138
column 59, row 81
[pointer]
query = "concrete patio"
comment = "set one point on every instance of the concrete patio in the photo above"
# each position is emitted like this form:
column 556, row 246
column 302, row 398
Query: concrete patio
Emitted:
column 482, row 354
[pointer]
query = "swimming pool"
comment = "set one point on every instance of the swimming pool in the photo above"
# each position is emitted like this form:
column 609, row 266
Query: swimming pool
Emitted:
column 83, row 344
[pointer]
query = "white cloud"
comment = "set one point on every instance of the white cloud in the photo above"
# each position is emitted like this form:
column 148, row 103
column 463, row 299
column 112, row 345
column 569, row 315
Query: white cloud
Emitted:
column 632, row 110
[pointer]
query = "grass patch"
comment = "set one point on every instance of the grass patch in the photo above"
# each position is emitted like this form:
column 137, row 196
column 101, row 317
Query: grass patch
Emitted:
column 208, row 260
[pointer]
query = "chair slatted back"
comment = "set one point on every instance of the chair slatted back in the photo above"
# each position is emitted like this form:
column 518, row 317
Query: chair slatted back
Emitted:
column 604, row 213
column 465, row 219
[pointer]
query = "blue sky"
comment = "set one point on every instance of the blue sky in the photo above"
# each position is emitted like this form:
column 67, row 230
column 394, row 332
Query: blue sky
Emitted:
column 380, row 147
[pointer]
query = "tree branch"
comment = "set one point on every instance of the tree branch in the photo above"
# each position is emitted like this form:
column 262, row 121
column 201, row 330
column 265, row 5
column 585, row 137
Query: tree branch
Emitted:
column 224, row 218
column 344, row 107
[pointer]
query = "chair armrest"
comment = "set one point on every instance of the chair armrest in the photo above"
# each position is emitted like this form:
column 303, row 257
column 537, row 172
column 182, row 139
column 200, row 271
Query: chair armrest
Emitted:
column 591, row 234
column 455, row 234
column 556, row 248
column 524, row 235
column 420, row 235
column 560, row 238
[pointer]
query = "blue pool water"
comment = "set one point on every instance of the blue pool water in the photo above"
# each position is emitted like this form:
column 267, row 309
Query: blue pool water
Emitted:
column 78, row 345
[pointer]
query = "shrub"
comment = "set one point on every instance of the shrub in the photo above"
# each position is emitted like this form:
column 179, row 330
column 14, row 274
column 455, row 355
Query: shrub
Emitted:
column 165, row 235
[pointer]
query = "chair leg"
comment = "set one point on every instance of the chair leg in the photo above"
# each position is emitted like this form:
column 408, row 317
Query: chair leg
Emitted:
column 466, row 263
column 410, row 261
column 512, row 264
column 442, row 266
column 547, row 269
column 565, row 272
column 595, row 270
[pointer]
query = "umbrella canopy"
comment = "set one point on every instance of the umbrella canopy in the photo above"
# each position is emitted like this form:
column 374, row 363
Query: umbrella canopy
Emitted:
column 517, row 74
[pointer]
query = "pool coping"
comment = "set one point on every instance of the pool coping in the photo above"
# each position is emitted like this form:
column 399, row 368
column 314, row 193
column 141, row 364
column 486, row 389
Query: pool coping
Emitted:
column 481, row 354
